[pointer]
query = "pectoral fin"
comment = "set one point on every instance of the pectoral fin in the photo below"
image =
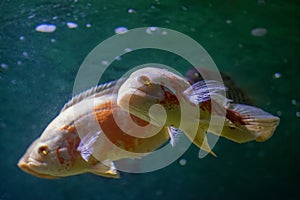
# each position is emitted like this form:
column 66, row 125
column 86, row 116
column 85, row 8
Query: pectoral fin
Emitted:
column 174, row 135
column 86, row 146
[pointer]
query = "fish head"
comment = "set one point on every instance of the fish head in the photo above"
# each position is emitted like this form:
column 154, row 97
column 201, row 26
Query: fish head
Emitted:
column 52, row 156
column 147, row 87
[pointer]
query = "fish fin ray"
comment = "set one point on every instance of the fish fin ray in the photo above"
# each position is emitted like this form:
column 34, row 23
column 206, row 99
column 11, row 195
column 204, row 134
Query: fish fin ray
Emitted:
column 174, row 133
column 86, row 145
column 203, row 91
column 98, row 90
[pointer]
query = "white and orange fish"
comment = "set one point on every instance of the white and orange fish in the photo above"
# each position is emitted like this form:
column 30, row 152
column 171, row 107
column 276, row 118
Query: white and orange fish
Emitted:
column 149, row 86
column 85, row 137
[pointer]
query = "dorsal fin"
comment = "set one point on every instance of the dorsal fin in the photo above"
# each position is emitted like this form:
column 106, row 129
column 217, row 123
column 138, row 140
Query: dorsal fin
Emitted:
column 98, row 90
column 233, row 92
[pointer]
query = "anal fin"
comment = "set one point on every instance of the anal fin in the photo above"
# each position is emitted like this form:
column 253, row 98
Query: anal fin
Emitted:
column 105, row 168
column 200, row 140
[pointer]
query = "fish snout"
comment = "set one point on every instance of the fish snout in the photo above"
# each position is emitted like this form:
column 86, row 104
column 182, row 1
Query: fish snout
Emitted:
column 28, row 167
column 22, row 164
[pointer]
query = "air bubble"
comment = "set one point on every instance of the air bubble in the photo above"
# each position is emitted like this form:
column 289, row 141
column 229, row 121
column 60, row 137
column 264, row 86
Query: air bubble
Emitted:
column 22, row 38
column 13, row 82
column 164, row 32
column 104, row 62
column 130, row 10
column 72, row 25
column 118, row 58
column 88, row 25
column 277, row 75
column 121, row 30
column 151, row 30
column 4, row 66
column 294, row 102
column 182, row 162
column 279, row 113
column 184, row 8
column 259, row 32
column 45, row 28
column 25, row 54
column 228, row 21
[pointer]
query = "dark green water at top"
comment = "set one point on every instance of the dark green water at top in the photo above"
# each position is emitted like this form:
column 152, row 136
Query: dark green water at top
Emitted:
column 38, row 72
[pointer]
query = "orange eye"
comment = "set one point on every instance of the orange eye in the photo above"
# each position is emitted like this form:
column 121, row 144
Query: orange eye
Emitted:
column 43, row 150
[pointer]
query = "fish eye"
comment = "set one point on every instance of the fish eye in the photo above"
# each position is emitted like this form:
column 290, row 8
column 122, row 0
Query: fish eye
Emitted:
column 43, row 150
column 145, row 80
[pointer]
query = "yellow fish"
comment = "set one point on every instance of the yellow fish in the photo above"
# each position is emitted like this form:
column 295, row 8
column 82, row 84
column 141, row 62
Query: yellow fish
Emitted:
column 151, row 86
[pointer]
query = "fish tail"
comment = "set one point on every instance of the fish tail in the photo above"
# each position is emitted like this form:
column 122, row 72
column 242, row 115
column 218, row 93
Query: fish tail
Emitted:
column 249, row 123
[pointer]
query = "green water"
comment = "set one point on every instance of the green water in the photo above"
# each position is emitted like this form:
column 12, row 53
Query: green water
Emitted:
column 38, row 72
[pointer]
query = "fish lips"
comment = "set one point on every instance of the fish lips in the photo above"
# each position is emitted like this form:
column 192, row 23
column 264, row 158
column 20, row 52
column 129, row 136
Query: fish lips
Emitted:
column 27, row 166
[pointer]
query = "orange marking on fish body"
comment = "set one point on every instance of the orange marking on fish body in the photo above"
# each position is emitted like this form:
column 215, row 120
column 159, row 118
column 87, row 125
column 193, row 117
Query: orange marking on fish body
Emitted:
column 64, row 127
column 71, row 129
column 60, row 158
column 139, row 121
column 110, row 128
column 73, row 142
column 233, row 116
column 104, row 116
column 169, row 99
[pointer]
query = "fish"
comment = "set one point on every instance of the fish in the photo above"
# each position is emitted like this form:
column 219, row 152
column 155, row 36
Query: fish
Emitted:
column 151, row 86
column 85, row 138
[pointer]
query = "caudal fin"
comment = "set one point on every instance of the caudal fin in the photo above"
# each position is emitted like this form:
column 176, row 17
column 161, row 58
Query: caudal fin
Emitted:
column 249, row 123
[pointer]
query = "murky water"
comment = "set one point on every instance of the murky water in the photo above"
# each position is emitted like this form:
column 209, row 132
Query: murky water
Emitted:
column 255, row 42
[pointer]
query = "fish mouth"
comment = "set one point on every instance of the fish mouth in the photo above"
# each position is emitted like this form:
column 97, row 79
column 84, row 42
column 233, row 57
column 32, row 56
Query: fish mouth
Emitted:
column 27, row 166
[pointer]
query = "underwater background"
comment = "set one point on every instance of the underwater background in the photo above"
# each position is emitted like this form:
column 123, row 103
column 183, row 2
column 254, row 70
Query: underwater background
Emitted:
column 255, row 42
